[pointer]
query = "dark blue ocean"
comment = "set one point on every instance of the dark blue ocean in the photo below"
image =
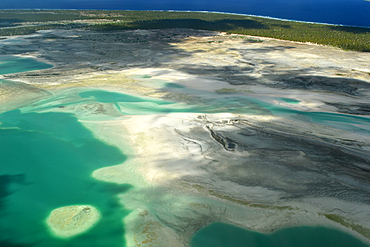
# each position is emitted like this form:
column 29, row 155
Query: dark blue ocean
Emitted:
column 344, row 12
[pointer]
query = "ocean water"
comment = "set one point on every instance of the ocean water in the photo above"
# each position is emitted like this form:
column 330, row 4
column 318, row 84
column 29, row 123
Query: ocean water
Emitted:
column 224, row 235
column 344, row 12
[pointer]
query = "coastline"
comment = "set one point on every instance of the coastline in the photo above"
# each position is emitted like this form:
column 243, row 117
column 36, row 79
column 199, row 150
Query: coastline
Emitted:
column 346, row 37
column 265, row 17
column 197, row 11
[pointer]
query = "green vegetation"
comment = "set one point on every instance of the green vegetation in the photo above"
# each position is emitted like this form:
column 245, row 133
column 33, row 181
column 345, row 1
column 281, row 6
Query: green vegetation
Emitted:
column 232, row 90
column 347, row 223
column 16, row 22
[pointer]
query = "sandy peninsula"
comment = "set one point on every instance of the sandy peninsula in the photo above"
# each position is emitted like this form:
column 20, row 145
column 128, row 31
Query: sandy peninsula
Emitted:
column 251, row 168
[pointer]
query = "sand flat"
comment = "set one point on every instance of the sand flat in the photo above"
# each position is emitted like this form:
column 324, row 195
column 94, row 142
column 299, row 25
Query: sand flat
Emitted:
column 69, row 221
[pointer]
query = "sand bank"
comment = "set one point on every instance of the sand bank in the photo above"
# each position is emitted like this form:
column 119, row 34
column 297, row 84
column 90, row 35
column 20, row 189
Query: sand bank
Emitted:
column 69, row 221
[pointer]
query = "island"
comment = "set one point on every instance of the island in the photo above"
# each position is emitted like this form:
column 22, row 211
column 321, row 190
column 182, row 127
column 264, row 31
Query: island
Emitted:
column 69, row 221
column 169, row 122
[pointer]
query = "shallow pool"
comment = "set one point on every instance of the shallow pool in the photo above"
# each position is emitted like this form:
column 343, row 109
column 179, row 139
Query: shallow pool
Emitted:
column 13, row 64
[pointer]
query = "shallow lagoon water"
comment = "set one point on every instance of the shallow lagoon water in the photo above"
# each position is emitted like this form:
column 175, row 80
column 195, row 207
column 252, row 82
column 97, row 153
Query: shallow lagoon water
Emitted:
column 290, row 101
column 224, row 235
column 12, row 64
column 48, row 157
column 336, row 120
column 238, row 103
column 134, row 105
column 47, row 161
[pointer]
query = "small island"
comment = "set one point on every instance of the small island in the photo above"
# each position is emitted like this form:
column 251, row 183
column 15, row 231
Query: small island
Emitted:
column 66, row 222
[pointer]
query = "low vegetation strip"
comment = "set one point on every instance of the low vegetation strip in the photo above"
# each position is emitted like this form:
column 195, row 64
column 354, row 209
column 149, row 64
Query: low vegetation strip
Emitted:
column 18, row 22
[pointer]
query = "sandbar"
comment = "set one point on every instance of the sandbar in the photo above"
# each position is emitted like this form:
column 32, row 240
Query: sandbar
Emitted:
column 66, row 222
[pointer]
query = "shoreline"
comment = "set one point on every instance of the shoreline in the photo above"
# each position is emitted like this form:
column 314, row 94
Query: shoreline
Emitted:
column 262, row 16
column 205, row 11
column 346, row 37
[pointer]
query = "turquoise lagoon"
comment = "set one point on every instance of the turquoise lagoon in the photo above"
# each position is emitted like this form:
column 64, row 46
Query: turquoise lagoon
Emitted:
column 46, row 162
column 48, row 156
column 241, row 104
column 347, row 122
column 13, row 64
column 47, row 159
column 290, row 101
